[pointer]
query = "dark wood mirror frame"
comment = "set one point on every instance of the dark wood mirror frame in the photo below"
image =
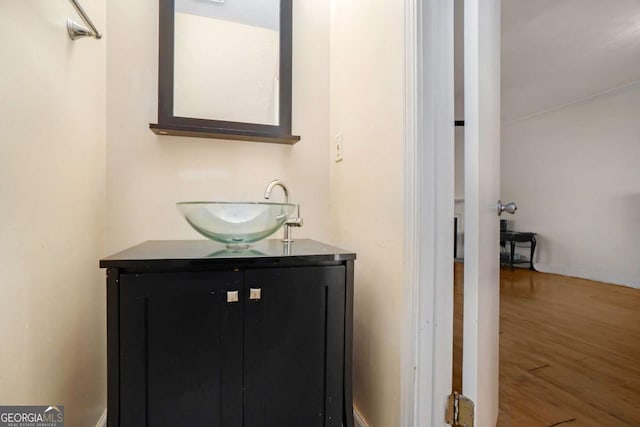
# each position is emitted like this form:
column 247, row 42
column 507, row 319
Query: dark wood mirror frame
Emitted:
column 168, row 124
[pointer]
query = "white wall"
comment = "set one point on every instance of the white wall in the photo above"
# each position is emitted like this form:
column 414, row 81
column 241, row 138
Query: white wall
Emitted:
column 367, row 107
column 575, row 174
column 147, row 174
column 52, row 134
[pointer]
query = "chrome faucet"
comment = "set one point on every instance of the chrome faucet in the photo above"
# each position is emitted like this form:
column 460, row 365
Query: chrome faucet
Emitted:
column 291, row 222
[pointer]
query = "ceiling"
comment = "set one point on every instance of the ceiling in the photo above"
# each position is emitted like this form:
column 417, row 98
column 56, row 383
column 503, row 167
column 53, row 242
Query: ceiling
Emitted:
column 557, row 52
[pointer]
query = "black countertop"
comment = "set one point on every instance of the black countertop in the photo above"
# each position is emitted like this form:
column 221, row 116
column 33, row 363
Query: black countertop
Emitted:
column 169, row 254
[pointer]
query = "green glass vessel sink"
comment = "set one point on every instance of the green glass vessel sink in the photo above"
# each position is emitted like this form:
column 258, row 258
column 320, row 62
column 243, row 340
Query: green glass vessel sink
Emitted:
column 236, row 223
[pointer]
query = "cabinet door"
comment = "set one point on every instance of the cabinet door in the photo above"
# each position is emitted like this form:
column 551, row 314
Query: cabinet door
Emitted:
column 181, row 347
column 294, row 346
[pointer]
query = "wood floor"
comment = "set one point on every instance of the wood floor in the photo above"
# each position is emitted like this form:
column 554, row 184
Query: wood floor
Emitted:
column 569, row 351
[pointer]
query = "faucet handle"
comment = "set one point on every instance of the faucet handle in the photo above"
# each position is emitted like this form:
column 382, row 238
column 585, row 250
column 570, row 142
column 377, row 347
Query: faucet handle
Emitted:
column 294, row 222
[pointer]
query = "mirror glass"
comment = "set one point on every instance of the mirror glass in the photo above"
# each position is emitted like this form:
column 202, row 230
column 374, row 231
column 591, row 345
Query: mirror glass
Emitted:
column 227, row 60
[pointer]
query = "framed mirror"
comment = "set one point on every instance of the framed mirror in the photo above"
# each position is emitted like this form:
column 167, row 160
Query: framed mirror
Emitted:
column 225, row 70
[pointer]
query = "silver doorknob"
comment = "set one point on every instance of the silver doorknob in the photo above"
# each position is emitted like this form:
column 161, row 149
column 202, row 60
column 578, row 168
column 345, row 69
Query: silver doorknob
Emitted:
column 509, row 207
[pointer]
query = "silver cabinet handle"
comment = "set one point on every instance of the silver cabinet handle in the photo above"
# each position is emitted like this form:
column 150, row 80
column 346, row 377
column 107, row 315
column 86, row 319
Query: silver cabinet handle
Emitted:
column 255, row 293
column 233, row 296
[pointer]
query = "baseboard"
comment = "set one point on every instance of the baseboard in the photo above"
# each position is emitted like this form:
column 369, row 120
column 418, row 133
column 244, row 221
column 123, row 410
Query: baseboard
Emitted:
column 102, row 421
column 359, row 419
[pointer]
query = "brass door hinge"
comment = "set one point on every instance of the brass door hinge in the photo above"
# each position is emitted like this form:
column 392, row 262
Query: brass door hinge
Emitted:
column 459, row 411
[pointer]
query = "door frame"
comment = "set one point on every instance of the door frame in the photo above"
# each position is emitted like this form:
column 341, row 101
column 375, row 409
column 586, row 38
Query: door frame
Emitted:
column 427, row 349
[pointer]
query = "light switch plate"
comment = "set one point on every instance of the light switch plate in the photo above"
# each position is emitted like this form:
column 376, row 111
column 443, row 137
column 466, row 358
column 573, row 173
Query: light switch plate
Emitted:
column 339, row 147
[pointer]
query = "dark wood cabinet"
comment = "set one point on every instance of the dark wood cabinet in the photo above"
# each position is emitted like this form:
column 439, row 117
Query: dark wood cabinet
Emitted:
column 294, row 346
column 254, row 339
column 180, row 343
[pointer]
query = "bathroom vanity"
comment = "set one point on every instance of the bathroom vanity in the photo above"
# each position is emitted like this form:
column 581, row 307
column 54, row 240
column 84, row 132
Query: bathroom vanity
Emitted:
column 200, row 335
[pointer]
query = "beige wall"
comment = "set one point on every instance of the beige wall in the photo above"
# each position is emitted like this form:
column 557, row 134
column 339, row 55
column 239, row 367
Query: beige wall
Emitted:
column 52, row 132
column 148, row 174
column 367, row 69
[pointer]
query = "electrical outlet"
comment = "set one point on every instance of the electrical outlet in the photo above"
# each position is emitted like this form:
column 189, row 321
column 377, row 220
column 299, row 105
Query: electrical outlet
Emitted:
column 339, row 147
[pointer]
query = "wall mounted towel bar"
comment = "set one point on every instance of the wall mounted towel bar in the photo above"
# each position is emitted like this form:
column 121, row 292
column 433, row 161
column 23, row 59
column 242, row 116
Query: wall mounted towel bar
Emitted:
column 76, row 30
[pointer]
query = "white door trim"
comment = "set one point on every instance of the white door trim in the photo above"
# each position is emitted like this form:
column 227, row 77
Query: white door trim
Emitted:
column 429, row 200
